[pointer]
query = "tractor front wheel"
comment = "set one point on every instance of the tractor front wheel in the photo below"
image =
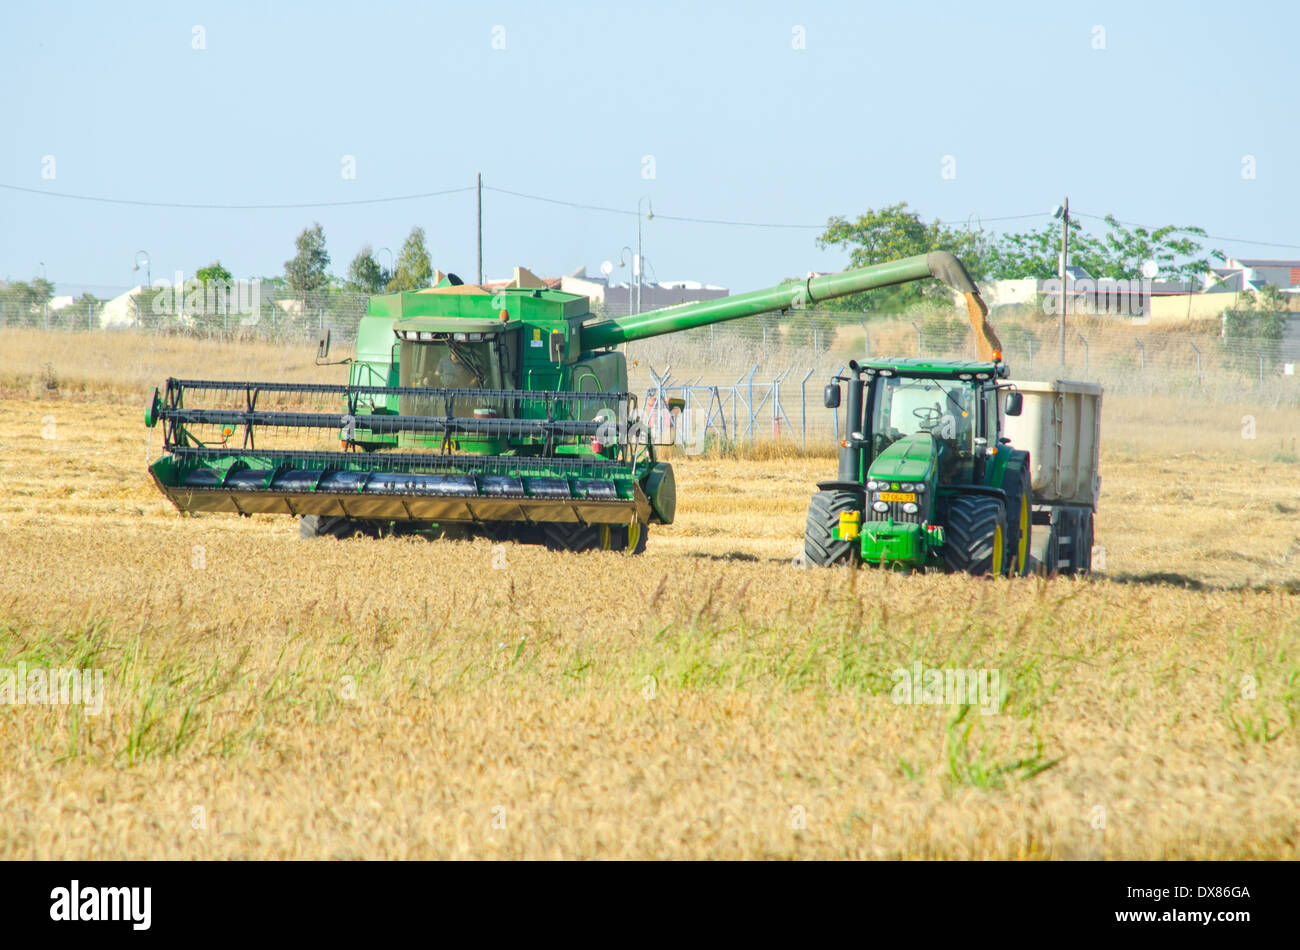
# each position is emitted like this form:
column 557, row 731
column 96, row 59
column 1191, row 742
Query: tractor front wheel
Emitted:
column 975, row 535
column 820, row 545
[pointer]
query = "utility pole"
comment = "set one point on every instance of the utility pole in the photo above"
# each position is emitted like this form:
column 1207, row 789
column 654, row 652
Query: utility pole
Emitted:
column 1065, row 257
column 479, row 219
column 640, row 261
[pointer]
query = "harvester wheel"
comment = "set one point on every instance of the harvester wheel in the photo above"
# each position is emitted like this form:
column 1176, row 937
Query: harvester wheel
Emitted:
column 332, row 526
column 629, row 538
column 975, row 535
column 820, row 546
column 609, row 537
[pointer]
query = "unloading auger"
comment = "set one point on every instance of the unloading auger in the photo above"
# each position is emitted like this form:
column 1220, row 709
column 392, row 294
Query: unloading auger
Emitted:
column 504, row 413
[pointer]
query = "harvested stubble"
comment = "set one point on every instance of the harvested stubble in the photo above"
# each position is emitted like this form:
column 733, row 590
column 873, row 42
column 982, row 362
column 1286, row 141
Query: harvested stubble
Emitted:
column 399, row 698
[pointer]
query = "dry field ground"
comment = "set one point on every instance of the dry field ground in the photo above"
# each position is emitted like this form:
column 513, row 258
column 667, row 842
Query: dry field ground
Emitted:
column 267, row 697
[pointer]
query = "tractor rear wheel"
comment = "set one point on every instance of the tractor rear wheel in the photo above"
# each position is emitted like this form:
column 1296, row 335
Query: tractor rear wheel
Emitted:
column 820, row 546
column 975, row 535
column 1021, row 536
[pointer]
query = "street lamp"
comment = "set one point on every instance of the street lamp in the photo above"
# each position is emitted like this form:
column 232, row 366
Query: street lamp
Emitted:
column 148, row 277
column 627, row 252
column 636, row 270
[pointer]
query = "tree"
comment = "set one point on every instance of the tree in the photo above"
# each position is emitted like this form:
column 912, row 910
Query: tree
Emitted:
column 1118, row 254
column 21, row 302
column 306, row 273
column 214, row 272
column 894, row 232
column 414, row 269
column 365, row 276
column 1175, row 255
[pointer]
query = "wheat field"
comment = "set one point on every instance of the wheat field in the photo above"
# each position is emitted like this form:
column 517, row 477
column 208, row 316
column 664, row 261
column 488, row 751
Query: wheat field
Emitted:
column 267, row 697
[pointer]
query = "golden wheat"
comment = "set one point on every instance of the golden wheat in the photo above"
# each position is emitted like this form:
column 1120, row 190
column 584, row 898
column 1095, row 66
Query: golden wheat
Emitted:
column 399, row 698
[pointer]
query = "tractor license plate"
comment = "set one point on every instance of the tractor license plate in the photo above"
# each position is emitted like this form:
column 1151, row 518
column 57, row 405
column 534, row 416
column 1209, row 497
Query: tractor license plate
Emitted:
column 897, row 496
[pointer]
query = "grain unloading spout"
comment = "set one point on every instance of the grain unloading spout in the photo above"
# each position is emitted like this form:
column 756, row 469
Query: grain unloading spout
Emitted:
column 946, row 267
column 791, row 296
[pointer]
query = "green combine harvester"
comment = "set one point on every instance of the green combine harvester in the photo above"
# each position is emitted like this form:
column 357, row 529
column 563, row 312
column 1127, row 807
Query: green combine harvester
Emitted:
column 468, row 411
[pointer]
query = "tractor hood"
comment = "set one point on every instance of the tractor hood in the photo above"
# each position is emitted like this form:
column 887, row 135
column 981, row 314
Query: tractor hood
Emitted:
column 907, row 460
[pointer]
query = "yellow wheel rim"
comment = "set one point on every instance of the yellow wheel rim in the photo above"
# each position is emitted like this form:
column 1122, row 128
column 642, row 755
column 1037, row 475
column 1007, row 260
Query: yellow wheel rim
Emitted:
column 996, row 566
column 1022, row 546
column 604, row 538
column 633, row 535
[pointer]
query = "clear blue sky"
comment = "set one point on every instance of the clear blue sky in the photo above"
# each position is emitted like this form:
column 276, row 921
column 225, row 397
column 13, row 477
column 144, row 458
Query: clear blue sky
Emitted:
column 741, row 125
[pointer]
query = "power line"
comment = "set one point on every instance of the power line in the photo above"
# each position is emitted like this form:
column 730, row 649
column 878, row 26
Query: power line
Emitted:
column 1214, row 237
column 238, row 207
column 665, row 217
column 557, row 201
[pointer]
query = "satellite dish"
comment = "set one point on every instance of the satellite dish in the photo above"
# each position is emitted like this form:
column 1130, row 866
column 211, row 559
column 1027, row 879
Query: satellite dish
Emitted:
column 607, row 268
column 1150, row 269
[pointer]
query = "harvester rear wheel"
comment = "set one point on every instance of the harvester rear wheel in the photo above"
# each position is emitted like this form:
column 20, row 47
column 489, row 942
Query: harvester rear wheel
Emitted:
column 820, row 546
column 975, row 535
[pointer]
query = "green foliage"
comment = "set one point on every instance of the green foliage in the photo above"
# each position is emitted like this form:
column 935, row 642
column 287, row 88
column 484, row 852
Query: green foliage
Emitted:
column 895, row 232
column 21, row 301
column 306, row 273
column 414, row 270
column 214, row 272
column 1118, row 253
column 365, row 276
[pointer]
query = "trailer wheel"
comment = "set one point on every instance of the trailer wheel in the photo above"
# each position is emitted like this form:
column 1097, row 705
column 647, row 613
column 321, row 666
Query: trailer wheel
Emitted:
column 975, row 535
column 820, row 546
column 1083, row 544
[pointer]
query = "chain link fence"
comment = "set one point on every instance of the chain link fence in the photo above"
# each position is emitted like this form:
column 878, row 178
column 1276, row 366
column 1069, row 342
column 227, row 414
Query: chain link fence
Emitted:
column 763, row 375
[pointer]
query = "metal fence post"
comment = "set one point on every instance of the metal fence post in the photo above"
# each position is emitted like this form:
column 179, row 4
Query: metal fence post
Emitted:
column 866, row 341
column 803, row 410
column 918, row 339
column 1085, row 352
column 1200, row 380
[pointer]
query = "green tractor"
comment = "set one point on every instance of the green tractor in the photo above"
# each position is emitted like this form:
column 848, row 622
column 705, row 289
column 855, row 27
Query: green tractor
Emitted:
column 927, row 476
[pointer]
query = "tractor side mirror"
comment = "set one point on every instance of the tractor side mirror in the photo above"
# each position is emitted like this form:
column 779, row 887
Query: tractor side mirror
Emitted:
column 831, row 396
column 323, row 346
column 1015, row 403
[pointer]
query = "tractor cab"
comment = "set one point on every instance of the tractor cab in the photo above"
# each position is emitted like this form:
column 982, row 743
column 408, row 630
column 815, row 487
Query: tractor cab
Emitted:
column 946, row 409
